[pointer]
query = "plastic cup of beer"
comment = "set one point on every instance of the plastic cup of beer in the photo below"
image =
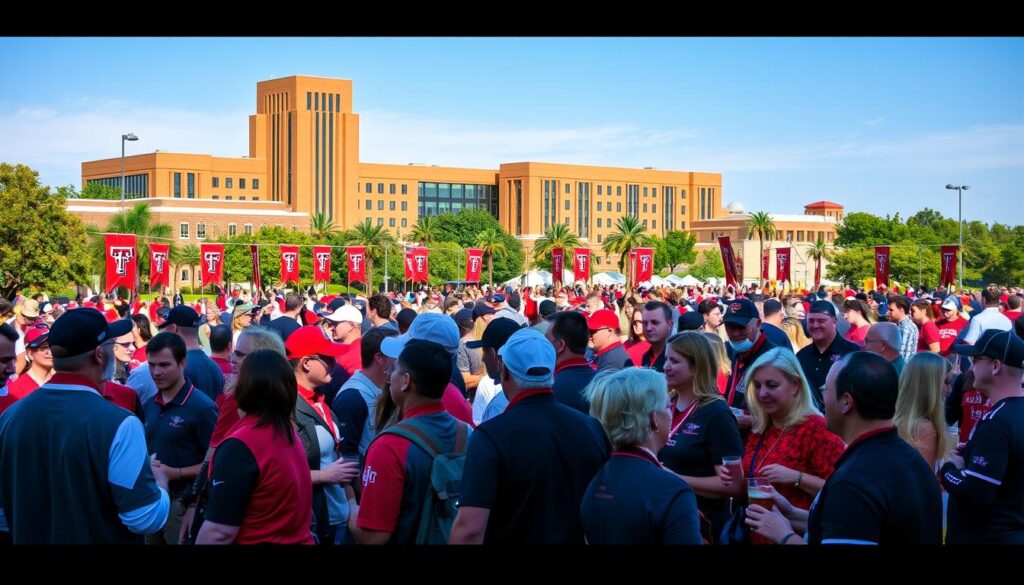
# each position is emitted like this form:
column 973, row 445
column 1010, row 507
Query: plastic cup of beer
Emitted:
column 758, row 492
column 735, row 466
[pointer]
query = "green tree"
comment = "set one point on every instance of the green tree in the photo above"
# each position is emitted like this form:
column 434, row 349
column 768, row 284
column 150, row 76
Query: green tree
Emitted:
column 709, row 264
column 374, row 238
column 675, row 249
column 189, row 256
column 491, row 242
column 558, row 235
column 42, row 246
column 465, row 228
column 321, row 226
column 866, row 229
column 818, row 252
column 629, row 233
column 138, row 221
column 426, row 230
column 762, row 225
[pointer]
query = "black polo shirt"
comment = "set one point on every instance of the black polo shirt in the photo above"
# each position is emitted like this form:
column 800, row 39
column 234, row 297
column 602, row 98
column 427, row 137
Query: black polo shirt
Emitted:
column 735, row 393
column 882, row 492
column 658, row 362
column 572, row 377
column 530, row 467
column 985, row 498
column 776, row 336
column 816, row 364
column 633, row 500
column 179, row 431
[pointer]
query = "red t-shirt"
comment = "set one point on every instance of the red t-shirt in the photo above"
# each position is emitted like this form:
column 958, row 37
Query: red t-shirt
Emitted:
column 857, row 334
column 1012, row 315
column 225, row 365
column 636, row 350
column 17, row 389
column 138, row 358
column 456, row 405
column 974, row 407
column 228, row 407
column 928, row 333
column 122, row 396
column 352, row 359
column 948, row 330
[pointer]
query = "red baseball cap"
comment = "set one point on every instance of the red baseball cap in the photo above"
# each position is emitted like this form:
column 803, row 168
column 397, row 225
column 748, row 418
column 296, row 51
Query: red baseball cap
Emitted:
column 36, row 336
column 309, row 340
column 602, row 319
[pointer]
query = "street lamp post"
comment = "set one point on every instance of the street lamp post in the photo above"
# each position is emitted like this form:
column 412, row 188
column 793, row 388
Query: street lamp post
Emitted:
column 130, row 137
column 960, row 219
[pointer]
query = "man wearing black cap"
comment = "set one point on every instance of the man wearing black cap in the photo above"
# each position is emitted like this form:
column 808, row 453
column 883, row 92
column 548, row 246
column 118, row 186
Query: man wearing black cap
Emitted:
column 545, row 310
column 497, row 333
column 743, row 326
column 691, row 321
column 826, row 348
column 404, row 319
column 202, row 371
column 985, row 479
column 568, row 334
column 73, row 467
column 468, row 360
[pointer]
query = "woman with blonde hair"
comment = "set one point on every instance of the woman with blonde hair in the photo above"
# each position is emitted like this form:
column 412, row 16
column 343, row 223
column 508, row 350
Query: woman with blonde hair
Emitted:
column 633, row 499
column 789, row 444
column 919, row 416
column 724, row 365
column 795, row 331
column 703, row 428
column 241, row 317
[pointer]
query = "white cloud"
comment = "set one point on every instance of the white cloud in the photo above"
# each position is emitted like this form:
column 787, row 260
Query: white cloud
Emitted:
column 874, row 122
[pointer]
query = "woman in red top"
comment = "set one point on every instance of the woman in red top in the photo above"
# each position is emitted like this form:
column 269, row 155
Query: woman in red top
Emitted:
column 260, row 484
column 143, row 332
column 858, row 314
column 635, row 346
column 788, row 444
column 928, row 334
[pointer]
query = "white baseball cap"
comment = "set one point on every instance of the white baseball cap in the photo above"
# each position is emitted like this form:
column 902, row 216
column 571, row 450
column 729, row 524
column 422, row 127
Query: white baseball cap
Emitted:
column 346, row 313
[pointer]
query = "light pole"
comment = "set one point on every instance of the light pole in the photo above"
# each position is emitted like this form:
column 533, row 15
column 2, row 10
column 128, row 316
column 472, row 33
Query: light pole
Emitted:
column 960, row 219
column 131, row 137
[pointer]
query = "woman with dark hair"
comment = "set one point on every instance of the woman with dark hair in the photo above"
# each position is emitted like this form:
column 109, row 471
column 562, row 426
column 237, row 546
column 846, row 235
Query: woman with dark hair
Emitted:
column 143, row 332
column 260, row 485
column 636, row 346
column 858, row 314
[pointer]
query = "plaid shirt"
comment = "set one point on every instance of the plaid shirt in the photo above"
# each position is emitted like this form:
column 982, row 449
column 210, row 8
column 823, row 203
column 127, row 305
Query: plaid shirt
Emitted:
column 909, row 332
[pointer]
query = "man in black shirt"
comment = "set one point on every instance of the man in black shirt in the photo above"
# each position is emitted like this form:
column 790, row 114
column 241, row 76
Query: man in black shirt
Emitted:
column 743, row 326
column 827, row 347
column 657, row 328
column 985, row 479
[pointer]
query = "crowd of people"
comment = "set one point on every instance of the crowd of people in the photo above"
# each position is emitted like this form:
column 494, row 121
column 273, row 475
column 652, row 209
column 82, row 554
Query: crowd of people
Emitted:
column 479, row 415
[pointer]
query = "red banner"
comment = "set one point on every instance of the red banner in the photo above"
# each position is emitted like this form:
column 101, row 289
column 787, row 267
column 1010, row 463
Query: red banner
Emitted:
column 289, row 264
column 764, row 264
column 632, row 266
column 211, row 259
column 581, row 264
column 882, row 265
column 474, row 264
column 418, row 261
column 644, row 264
column 356, row 263
column 322, row 264
column 557, row 264
column 782, row 264
column 257, row 280
column 949, row 265
column 159, row 265
column 817, row 273
column 121, row 261
column 728, row 260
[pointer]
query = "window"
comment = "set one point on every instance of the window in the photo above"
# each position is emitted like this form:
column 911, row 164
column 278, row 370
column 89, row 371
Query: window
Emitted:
column 380, row 205
column 391, row 222
column 241, row 197
column 200, row 231
column 618, row 207
column 369, row 205
column 599, row 203
column 241, row 183
column 391, row 205
column 654, row 191
column 800, row 235
column 380, row 222
column 618, row 190
column 380, row 188
column 567, row 190
column 645, row 208
column 598, row 238
column 405, row 207
column 566, row 221
column 255, row 184
column 599, row 222
column 404, row 223
column 567, row 201
column 608, row 189
column 183, row 231
column 216, row 182
column 228, row 197
column 645, row 223
column 599, row 192
column 248, row 229
column 184, row 274
column 369, row 187
column 645, row 191
column 405, row 189
column 654, row 208
column 216, row 197
column 232, row 229
column 228, row 182
column 177, row 185
column 789, row 236
column 391, row 189
column 654, row 224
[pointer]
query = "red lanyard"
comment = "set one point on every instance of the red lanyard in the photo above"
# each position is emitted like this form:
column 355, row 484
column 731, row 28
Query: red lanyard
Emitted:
column 318, row 406
column 686, row 414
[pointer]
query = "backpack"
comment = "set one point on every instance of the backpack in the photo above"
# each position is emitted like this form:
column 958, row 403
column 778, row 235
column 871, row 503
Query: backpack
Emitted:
column 440, row 504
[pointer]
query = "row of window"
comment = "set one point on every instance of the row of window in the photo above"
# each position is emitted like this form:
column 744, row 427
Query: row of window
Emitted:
column 380, row 188
column 229, row 197
column 391, row 221
column 229, row 183
column 133, row 184
column 802, row 236
column 184, row 227
column 380, row 205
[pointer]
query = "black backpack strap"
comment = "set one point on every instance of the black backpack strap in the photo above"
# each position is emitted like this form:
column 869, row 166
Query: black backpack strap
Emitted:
column 412, row 431
column 461, row 432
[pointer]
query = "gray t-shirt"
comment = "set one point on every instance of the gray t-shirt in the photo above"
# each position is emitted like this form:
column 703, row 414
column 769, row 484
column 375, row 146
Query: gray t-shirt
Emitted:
column 468, row 360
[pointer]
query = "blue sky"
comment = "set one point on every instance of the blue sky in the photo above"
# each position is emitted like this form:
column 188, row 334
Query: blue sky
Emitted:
column 879, row 125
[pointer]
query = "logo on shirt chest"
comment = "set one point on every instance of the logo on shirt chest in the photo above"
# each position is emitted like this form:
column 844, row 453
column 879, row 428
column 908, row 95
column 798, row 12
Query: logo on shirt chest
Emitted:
column 834, row 357
column 176, row 422
column 691, row 429
column 979, row 461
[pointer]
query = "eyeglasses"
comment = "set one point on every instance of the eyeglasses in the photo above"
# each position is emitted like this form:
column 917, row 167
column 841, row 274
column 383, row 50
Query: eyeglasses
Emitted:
column 594, row 332
column 328, row 362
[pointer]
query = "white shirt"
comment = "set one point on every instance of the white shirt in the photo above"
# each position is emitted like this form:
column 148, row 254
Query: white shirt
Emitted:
column 990, row 318
column 485, row 391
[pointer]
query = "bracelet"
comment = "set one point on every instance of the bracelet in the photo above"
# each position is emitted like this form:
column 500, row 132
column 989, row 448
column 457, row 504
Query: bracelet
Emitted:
column 787, row 537
column 798, row 478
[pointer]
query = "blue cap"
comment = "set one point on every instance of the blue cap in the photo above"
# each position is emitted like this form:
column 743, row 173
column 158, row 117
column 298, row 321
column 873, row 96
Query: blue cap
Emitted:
column 529, row 356
column 440, row 329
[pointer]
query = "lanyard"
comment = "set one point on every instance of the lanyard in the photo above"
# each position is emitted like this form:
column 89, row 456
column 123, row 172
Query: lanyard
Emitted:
column 754, row 467
column 686, row 414
column 320, row 410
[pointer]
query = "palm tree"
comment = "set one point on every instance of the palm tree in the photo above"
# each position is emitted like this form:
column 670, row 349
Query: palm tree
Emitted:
column 139, row 221
column 558, row 236
column 761, row 223
column 190, row 257
column 426, row 231
column 321, row 226
column 371, row 236
column 491, row 243
column 816, row 253
column 629, row 233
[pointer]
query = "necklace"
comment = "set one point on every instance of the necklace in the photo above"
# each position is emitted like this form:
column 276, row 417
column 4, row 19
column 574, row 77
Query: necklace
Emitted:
column 757, row 467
